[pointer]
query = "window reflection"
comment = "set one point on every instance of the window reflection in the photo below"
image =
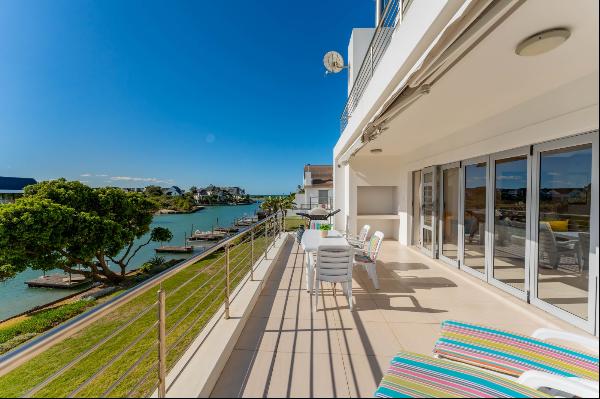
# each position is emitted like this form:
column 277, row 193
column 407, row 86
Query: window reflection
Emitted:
column 510, row 220
column 474, row 216
column 564, row 228
column 450, row 213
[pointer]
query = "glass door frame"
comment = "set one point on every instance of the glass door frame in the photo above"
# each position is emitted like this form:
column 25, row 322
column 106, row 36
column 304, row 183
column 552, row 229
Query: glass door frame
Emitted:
column 589, row 325
column 464, row 164
column 415, row 240
column 451, row 262
column 434, row 196
column 491, row 203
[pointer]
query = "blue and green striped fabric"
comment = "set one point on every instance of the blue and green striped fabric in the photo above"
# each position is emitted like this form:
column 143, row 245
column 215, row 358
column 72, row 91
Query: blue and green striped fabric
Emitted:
column 416, row 376
column 511, row 353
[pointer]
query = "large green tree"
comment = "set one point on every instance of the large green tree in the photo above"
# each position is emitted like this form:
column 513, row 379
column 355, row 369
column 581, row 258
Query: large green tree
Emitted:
column 63, row 224
column 274, row 204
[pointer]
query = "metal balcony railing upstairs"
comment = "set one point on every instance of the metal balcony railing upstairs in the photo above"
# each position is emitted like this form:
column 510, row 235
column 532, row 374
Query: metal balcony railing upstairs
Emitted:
column 391, row 16
column 125, row 347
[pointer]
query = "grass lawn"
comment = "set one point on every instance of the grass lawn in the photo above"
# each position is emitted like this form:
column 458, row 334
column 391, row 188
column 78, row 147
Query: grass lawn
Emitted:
column 189, row 307
column 293, row 222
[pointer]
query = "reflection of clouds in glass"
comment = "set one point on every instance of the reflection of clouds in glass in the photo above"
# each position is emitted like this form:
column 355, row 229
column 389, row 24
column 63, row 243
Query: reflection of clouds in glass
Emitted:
column 567, row 167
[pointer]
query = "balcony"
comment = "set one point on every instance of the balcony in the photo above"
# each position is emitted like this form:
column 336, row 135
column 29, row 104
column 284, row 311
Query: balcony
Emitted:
column 288, row 350
column 390, row 17
column 262, row 337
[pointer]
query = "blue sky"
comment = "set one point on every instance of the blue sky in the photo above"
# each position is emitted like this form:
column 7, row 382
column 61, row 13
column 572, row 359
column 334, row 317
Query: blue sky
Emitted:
column 132, row 93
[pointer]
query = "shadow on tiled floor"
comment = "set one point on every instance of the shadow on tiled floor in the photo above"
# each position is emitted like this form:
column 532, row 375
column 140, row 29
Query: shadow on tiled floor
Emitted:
column 288, row 350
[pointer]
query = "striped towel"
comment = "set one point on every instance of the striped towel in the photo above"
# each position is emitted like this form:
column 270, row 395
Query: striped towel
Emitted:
column 417, row 376
column 510, row 353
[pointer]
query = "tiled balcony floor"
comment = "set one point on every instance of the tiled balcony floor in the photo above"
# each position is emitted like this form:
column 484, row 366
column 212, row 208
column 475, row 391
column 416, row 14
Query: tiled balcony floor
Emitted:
column 288, row 350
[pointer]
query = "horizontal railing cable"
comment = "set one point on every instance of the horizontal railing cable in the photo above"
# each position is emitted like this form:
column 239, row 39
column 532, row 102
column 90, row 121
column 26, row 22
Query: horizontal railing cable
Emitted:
column 77, row 359
column 114, row 359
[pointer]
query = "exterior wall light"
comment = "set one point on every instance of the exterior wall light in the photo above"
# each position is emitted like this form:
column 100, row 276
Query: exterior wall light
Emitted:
column 542, row 42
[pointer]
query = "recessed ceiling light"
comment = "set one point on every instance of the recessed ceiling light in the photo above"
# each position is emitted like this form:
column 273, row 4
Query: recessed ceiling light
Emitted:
column 543, row 42
column 376, row 151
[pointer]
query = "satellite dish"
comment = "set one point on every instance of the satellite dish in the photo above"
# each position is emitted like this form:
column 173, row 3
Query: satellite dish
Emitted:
column 333, row 61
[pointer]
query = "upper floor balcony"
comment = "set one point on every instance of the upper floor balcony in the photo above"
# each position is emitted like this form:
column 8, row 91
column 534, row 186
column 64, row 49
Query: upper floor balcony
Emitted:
column 359, row 76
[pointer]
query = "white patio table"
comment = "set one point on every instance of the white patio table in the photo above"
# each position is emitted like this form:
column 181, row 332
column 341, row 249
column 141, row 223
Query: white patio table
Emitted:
column 312, row 240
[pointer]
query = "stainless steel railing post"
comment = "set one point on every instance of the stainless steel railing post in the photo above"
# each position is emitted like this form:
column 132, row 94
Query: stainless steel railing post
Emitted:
column 266, row 238
column 227, row 282
column 162, row 344
column 252, row 254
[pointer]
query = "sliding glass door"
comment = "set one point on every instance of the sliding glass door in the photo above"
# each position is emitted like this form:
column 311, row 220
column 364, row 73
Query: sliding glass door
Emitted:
column 416, row 208
column 474, row 216
column 565, row 228
column 509, row 220
column 428, row 210
column 449, row 213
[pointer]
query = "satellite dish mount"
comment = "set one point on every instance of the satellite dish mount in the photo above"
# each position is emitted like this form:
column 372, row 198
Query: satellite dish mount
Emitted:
column 334, row 62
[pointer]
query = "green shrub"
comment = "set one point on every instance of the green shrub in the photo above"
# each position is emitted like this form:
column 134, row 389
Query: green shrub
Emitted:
column 42, row 321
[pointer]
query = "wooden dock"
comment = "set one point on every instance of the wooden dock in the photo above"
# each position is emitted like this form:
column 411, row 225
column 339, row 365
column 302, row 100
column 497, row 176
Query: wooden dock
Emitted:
column 182, row 249
column 227, row 229
column 207, row 236
column 63, row 281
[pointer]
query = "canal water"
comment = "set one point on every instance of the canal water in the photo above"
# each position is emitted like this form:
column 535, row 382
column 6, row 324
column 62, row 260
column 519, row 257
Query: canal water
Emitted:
column 16, row 297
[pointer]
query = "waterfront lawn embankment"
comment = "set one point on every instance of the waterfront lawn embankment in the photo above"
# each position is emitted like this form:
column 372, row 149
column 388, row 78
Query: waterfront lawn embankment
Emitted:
column 194, row 295
column 16, row 332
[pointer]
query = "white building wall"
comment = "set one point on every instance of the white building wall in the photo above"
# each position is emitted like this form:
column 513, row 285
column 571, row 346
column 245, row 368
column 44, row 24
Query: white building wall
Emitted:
column 357, row 49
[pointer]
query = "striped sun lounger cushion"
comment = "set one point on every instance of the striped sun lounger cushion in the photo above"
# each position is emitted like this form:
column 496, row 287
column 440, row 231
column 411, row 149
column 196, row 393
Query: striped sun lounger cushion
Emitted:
column 511, row 353
column 417, row 376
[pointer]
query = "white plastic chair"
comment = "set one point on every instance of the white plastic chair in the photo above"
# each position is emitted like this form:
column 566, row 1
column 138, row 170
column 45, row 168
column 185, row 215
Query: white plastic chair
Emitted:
column 333, row 265
column 368, row 259
column 360, row 240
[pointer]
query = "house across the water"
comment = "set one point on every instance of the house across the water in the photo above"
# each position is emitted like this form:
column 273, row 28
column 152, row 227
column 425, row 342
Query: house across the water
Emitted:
column 317, row 187
column 12, row 188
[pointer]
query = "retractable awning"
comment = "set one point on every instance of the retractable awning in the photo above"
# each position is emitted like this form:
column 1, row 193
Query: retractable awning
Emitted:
column 473, row 22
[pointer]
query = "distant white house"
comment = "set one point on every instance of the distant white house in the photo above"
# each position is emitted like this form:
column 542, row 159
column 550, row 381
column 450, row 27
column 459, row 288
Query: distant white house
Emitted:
column 219, row 193
column 12, row 188
column 172, row 191
column 133, row 189
column 317, row 187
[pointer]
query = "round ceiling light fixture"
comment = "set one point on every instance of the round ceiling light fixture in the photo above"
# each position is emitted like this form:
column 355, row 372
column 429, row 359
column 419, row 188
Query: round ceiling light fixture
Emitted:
column 542, row 42
column 376, row 151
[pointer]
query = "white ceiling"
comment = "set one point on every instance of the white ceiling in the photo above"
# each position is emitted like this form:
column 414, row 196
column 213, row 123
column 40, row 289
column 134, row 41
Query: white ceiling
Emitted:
column 492, row 79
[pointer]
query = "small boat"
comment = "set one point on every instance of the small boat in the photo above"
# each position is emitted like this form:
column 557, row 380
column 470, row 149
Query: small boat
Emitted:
column 246, row 221
column 182, row 249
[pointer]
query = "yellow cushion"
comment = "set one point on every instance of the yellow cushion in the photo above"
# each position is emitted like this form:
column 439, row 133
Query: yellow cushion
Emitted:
column 559, row 225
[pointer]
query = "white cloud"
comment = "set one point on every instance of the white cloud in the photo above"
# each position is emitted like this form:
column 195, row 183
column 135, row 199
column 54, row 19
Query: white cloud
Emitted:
column 86, row 175
column 102, row 175
column 139, row 179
